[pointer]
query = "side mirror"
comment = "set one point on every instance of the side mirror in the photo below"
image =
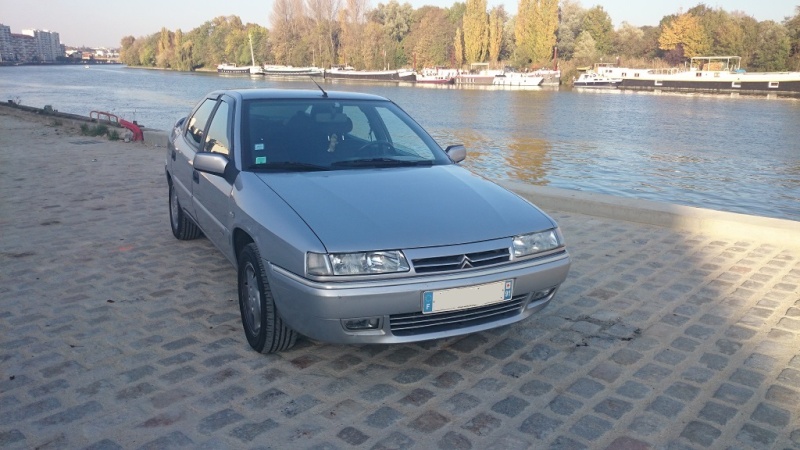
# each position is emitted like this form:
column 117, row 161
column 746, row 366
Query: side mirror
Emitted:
column 457, row 153
column 213, row 163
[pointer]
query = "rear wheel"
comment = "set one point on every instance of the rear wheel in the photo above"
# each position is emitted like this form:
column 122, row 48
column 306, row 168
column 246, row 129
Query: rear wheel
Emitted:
column 182, row 227
column 264, row 328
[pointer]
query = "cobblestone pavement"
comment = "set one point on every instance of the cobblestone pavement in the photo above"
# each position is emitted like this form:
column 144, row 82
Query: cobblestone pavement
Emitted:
column 113, row 334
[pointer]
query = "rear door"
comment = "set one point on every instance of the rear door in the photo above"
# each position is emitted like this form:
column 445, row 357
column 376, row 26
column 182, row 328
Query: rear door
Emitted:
column 185, row 147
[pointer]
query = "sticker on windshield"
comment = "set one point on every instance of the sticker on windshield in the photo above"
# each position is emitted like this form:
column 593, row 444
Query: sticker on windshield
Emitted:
column 261, row 160
column 259, row 146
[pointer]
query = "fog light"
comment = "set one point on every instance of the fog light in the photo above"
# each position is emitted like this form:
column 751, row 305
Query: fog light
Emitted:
column 539, row 295
column 371, row 323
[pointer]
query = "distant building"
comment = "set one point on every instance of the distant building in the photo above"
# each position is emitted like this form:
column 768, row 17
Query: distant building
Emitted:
column 6, row 48
column 30, row 46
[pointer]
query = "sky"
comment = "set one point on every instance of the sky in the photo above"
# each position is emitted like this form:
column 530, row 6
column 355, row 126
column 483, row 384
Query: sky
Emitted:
column 94, row 23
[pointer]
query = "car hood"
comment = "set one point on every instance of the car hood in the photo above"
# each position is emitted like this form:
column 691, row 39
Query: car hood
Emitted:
column 400, row 208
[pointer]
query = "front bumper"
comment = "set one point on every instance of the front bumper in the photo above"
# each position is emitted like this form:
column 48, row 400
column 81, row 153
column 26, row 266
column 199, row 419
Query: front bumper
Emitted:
column 318, row 310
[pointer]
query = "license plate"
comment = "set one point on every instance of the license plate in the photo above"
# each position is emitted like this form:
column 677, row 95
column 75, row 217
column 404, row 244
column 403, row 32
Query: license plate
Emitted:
column 466, row 297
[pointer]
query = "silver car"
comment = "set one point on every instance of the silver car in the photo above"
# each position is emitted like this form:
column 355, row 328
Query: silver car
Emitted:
column 347, row 222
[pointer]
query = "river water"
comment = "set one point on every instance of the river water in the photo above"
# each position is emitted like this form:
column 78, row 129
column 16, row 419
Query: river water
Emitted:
column 724, row 152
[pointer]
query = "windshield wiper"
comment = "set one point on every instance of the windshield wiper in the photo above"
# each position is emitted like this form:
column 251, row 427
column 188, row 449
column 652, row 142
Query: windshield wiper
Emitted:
column 288, row 166
column 383, row 162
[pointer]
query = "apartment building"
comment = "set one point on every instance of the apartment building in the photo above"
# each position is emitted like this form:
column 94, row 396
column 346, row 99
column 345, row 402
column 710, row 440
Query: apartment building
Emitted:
column 30, row 46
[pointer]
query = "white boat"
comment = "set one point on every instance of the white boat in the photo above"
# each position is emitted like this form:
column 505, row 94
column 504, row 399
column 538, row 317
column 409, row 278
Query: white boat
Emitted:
column 437, row 76
column 711, row 74
column 517, row 79
column 349, row 73
column 595, row 80
column 290, row 71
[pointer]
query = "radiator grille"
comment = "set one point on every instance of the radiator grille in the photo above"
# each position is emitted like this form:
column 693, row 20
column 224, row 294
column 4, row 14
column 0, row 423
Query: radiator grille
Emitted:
column 461, row 261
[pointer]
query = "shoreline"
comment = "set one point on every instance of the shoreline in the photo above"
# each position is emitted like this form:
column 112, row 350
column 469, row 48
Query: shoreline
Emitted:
column 783, row 232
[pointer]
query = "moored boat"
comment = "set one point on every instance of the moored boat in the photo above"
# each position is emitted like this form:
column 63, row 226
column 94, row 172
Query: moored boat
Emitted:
column 437, row 76
column 290, row 71
column 479, row 74
column 592, row 79
column 349, row 73
column 711, row 74
column 233, row 69
column 517, row 79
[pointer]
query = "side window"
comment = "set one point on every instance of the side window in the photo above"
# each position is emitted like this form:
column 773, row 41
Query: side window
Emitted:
column 402, row 136
column 197, row 123
column 218, row 140
column 361, row 128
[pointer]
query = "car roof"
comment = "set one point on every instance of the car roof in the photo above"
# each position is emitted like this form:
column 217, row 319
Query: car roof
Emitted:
column 261, row 94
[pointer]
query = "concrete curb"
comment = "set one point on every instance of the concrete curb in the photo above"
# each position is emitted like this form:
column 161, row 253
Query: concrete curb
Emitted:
column 785, row 233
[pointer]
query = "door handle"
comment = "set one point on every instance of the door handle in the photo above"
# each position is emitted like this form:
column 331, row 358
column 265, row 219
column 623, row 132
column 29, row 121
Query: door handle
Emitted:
column 173, row 155
column 196, row 176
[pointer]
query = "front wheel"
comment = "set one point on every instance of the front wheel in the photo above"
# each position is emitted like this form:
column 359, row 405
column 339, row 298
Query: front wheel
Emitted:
column 264, row 328
column 182, row 227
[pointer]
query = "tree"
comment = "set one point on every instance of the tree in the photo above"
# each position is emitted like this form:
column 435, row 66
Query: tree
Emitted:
column 630, row 41
column 430, row 40
column 458, row 49
column 289, row 27
column 497, row 17
column 352, row 22
column 585, row 49
column 570, row 27
column 598, row 23
column 535, row 30
column 686, row 32
column 792, row 25
column 476, row 31
column 773, row 47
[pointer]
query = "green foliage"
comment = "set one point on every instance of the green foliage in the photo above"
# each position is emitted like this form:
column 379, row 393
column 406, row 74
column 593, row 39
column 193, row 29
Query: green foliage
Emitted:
column 585, row 49
column 772, row 49
column 598, row 23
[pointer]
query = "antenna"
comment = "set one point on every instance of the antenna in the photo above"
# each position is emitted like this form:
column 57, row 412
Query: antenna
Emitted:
column 324, row 94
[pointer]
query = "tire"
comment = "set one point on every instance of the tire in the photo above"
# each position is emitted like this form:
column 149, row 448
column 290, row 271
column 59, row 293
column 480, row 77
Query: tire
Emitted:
column 182, row 227
column 264, row 328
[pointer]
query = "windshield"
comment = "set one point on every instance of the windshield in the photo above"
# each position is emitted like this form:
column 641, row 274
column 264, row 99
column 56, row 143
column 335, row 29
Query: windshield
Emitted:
column 328, row 134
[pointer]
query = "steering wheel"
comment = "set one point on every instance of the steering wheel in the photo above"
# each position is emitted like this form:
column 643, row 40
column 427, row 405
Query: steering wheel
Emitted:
column 386, row 146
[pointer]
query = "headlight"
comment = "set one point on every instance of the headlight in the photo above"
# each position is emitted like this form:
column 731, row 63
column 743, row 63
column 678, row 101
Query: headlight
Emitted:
column 529, row 244
column 364, row 263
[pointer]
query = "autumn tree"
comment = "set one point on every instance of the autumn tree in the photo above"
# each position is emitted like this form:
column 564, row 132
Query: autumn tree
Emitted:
column 458, row 49
column 430, row 40
column 476, row 31
column 535, row 30
column 323, row 27
column 497, row 19
column 287, row 37
column 352, row 22
column 686, row 32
